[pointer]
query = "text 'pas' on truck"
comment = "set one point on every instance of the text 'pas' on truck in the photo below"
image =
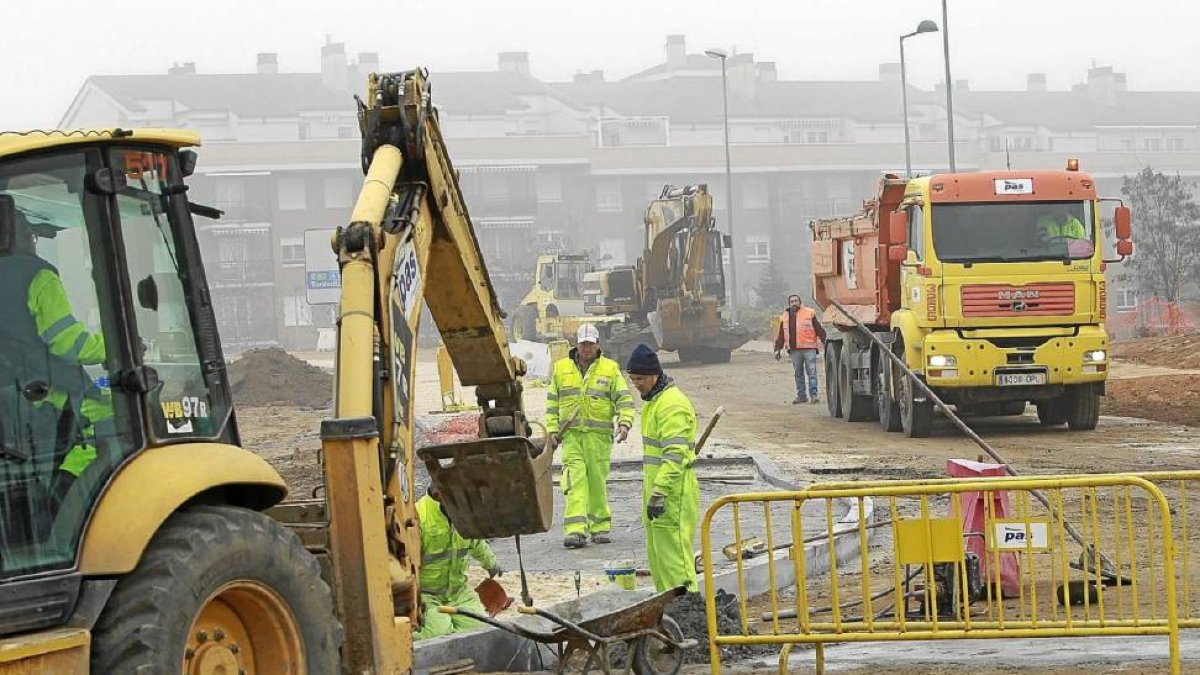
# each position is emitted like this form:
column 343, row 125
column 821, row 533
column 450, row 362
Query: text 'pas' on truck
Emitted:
column 989, row 285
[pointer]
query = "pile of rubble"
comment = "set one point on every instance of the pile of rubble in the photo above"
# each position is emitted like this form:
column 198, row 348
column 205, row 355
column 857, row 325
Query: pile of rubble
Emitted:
column 264, row 377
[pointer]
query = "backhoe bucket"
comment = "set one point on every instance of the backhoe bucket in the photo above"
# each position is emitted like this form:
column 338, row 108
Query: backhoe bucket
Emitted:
column 493, row 487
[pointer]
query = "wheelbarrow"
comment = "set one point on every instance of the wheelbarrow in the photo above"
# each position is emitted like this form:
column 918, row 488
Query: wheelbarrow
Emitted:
column 600, row 623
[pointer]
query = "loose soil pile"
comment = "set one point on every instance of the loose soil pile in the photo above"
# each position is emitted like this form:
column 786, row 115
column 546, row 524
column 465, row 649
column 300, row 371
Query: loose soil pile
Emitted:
column 689, row 612
column 1169, row 398
column 1179, row 351
column 274, row 377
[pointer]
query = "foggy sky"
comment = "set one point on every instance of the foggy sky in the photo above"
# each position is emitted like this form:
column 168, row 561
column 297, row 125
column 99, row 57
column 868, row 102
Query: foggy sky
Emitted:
column 50, row 48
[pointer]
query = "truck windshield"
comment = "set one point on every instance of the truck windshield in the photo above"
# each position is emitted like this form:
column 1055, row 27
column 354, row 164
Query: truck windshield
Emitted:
column 1013, row 231
column 570, row 279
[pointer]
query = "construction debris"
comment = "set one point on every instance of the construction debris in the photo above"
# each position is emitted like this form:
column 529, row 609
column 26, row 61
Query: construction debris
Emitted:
column 274, row 377
column 689, row 612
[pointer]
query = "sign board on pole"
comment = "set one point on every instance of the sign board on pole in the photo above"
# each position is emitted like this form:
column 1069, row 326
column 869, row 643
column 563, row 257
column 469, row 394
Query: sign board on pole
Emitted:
column 322, row 280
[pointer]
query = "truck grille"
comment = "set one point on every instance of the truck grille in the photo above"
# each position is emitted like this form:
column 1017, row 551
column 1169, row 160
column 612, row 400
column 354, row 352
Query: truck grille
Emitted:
column 1005, row 300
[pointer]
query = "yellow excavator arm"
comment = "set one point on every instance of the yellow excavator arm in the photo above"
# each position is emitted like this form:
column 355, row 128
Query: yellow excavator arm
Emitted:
column 410, row 243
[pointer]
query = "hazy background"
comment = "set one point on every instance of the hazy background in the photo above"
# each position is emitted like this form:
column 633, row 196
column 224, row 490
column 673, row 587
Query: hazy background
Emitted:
column 50, row 48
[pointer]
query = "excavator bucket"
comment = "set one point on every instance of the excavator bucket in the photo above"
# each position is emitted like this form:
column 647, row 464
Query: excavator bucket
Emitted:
column 493, row 487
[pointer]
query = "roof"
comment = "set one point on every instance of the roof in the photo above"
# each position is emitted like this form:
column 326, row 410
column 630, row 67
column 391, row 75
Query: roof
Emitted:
column 1077, row 111
column 15, row 142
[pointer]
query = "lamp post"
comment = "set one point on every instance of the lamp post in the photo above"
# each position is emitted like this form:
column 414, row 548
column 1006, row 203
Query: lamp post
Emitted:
column 925, row 26
column 733, row 254
column 949, row 86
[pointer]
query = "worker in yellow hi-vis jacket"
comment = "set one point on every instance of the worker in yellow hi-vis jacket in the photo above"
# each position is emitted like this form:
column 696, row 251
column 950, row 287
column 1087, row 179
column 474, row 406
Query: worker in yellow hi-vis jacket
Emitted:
column 589, row 388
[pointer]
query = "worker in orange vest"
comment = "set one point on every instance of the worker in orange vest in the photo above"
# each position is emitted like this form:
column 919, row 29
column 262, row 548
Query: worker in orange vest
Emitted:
column 802, row 335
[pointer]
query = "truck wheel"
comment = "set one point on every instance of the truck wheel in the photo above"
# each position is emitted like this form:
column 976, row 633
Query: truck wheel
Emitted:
column 716, row 355
column 1083, row 407
column 219, row 589
column 524, row 323
column 833, row 390
column 916, row 417
column 1012, row 408
column 885, row 399
column 855, row 407
column 1051, row 412
column 690, row 354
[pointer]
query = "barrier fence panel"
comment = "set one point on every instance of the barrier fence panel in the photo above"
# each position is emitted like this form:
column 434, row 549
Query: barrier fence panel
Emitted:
column 962, row 558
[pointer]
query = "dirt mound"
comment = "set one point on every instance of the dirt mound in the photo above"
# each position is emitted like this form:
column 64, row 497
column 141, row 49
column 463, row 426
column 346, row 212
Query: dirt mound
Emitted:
column 1177, row 351
column 274, row 377
column 689, row 612
column 1170, row 398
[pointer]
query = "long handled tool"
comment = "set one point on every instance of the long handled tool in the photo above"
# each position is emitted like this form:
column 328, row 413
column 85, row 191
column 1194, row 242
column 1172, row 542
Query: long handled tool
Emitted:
column 1090, row 556
column 708, row 428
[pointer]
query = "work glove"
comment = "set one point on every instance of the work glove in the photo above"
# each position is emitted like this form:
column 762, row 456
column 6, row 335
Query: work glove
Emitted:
column 656, row 506
column 778, row 356
column 622, row 433
column 495, row 571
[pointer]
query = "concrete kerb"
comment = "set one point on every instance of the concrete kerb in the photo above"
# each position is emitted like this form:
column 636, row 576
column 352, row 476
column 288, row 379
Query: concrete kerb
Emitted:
column 495, row 650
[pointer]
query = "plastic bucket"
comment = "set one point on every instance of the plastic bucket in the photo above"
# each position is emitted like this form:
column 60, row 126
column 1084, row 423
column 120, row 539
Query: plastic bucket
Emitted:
column 623, row 574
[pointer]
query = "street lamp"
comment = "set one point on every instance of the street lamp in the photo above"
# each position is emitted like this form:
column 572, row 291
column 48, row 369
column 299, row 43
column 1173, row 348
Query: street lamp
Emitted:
column 733, row 255
column 949, row 86
column 925, row 26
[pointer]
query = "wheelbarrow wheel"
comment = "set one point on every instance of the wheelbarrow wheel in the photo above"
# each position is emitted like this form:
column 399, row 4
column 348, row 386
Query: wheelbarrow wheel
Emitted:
column 651, row 656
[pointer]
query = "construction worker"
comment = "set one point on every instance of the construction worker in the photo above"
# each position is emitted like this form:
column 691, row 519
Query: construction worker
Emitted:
column 670, row 491
column 36, row 321
column 802, row 334
column 444, row 567
column 1061, row 224
column 587, row 387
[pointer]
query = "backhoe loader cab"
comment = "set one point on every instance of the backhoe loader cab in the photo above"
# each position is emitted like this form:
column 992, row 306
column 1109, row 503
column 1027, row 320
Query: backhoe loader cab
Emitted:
column 115, row 413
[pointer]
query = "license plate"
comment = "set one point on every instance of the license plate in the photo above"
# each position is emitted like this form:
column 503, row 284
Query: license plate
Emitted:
column 1019, row 379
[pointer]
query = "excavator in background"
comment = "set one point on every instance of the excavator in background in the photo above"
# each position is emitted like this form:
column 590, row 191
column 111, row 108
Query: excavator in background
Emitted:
column 672, row 297
column 135, row 534
column 553, row 308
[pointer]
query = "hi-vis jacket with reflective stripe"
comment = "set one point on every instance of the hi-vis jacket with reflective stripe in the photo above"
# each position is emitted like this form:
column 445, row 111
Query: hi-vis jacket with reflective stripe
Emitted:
column 599, row 395
column 668, row 441
column 444, row 552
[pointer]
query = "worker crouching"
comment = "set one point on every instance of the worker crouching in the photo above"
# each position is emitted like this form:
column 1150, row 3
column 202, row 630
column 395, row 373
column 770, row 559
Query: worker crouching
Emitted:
column 670, row 491
column 444, row 564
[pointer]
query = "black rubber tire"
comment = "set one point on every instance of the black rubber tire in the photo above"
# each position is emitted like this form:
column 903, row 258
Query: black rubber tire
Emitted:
column 886, row 407
column 1051, row 413
column 833, row 357
column 524, row 323
column 716, row 355
column 916, row 417
column 855, row 407
column 1010, row 408
column 144, row 626
column 690, row 354
column 1083, row 407
column 643, row 664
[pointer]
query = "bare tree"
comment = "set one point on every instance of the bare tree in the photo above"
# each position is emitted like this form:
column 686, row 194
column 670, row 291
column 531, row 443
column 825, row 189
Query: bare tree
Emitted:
column 1167, row 232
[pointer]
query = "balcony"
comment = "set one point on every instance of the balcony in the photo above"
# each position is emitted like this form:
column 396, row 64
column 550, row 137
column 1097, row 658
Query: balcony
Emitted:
column 241, row 273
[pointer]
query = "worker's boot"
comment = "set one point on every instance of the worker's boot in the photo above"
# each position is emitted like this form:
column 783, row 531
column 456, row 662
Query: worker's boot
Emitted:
column 601, row 538
column 575, row 540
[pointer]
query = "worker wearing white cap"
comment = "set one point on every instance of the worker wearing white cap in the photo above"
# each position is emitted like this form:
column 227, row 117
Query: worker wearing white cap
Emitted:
column 589, row 387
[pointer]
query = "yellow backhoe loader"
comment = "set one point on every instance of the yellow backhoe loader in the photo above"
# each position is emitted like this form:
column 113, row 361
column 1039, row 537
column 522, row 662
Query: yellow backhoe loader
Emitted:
column 135, row 534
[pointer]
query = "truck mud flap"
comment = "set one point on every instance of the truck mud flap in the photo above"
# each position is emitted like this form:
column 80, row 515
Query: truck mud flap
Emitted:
column 493, row 487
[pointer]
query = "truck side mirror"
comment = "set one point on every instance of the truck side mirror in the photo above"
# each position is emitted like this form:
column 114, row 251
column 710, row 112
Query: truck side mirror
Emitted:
column 8, row 224
column 1124, row 248
column 1123, row 223
column 898, row 227
column 898, row 253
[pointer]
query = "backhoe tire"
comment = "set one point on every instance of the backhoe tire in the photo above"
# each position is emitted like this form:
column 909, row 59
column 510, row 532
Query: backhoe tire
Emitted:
column 219, row 589
column 1010, row 408
column 1082, row 407
column 916, row 416
column 716, row 355
column 855, row 407
column 833, row 389
column 1051, row 412
column 886, row 406
column 524, row 323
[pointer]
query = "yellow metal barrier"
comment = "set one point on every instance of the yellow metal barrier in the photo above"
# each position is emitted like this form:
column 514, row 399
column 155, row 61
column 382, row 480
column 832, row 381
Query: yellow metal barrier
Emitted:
column 921, row 583
column 451, row 396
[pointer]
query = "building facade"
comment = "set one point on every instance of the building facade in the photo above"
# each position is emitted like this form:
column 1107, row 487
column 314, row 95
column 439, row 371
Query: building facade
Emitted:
column 570, row 166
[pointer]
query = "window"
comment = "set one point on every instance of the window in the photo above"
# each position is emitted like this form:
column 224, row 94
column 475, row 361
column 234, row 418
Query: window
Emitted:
column 758, row 249
column 608, row 196
column 916, row 230
column 725, row 256
column 1126, row 300
column 816, row 137
column 495, row 188
column 997, row 144
column 1127, row 143
column 304, row 130
column 1152, row 144
column 1013, row 231
column 345, row 132
column 1174, row 144
column 339, row 192
column 549, row 188
column 229, row 193
column 291, row 193
column 754, row 193
column 291, row 251
column 296, row 311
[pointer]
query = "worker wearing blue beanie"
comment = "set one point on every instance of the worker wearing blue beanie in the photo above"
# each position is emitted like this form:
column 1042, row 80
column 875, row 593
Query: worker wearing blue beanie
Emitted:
column 670, row 491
